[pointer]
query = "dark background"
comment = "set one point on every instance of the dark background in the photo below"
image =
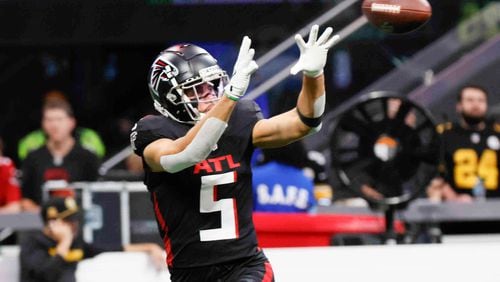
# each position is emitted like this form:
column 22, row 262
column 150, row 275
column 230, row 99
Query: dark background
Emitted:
column 99, row 52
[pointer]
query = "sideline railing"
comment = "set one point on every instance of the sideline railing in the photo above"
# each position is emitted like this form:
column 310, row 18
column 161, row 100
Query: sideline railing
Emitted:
column 419, row 211
column 93, row 214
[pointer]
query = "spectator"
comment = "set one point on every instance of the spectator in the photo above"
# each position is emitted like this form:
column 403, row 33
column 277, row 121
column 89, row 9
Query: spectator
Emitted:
column 470, row 150
column 53, row 253
column 62, row 158
column 10, row 194
column 281, row 184
column 88, row 138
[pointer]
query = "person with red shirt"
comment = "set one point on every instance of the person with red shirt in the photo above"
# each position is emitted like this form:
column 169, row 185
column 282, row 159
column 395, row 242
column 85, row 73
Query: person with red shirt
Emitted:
column 10, row 193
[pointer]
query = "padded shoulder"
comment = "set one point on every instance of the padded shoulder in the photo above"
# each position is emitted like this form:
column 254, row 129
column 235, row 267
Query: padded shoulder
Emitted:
column 147, row 130
column 496, row 127
column 441, row 128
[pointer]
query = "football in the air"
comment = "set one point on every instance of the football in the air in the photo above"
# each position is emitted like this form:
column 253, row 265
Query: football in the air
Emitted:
column 397, row 16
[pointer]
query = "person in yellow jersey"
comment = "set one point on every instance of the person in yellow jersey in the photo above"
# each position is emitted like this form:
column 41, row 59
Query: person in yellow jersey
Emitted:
column 470, row 151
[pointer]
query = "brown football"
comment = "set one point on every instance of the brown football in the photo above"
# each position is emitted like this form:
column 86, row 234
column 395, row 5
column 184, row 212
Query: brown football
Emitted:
column 397, row 16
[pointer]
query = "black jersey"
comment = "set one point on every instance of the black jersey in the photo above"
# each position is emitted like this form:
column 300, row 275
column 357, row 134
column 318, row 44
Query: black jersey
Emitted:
column 40, row 166
column 471, row 154
column 40, row 262
column 204, row 212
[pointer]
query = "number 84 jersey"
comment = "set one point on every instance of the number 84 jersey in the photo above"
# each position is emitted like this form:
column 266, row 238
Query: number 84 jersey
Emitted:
column 204, row 213
column 470, row 155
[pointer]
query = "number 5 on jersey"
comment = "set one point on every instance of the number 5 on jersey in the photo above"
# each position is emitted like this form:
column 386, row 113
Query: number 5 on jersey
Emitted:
column 227, row 207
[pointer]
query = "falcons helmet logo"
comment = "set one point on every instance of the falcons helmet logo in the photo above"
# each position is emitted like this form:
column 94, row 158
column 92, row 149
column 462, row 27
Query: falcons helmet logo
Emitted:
column 162, row 71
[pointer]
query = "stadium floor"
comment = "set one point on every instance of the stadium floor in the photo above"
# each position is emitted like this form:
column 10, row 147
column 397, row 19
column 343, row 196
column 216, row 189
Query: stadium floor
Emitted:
column 461, row 258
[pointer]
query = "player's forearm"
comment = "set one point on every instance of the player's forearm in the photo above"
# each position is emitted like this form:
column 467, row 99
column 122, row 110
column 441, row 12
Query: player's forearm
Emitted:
column 197, row 144
column 311, row 105
column 279, row 130
column 222, row 111
column 313, row 88
column 288, row 127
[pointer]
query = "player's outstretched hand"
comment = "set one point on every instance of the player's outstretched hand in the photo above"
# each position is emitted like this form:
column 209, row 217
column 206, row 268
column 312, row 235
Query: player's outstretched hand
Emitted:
column 244, row 67
column 313, row 53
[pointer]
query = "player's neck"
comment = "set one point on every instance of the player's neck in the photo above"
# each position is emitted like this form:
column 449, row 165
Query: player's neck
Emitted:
column 62, row 147
column 479, row 126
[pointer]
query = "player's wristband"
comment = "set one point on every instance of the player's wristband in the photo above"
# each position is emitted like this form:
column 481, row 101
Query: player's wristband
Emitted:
column 231, row 96
column 313, row 74
column 310, row 122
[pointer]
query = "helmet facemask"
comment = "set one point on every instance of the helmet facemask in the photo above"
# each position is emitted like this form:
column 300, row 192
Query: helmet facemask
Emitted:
column 189, row 94
column 206, row 89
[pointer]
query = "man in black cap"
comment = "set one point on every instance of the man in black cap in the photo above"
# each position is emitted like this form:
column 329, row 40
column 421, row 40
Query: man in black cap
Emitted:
column 53, row 253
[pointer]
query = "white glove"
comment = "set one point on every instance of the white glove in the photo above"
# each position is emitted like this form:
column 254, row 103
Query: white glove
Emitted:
column 313, row 53
column 244, row 67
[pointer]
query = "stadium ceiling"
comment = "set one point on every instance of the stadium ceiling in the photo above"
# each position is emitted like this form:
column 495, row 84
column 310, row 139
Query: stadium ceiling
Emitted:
column 34, row 22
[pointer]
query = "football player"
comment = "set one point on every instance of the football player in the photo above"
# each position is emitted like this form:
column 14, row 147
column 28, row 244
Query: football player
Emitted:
column 470, row 153
column 197, row 154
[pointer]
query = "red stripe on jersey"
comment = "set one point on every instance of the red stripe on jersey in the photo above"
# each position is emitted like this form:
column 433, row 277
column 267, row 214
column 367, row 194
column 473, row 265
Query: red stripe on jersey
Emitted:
column 163, row 225
column 236, row 224
column 164, row 228
column 235, row 208
column 268, row 274
column 168, row 249
column 215, row 193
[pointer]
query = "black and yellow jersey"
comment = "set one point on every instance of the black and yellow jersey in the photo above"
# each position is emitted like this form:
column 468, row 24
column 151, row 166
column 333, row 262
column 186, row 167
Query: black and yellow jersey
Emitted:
column 469, row 155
